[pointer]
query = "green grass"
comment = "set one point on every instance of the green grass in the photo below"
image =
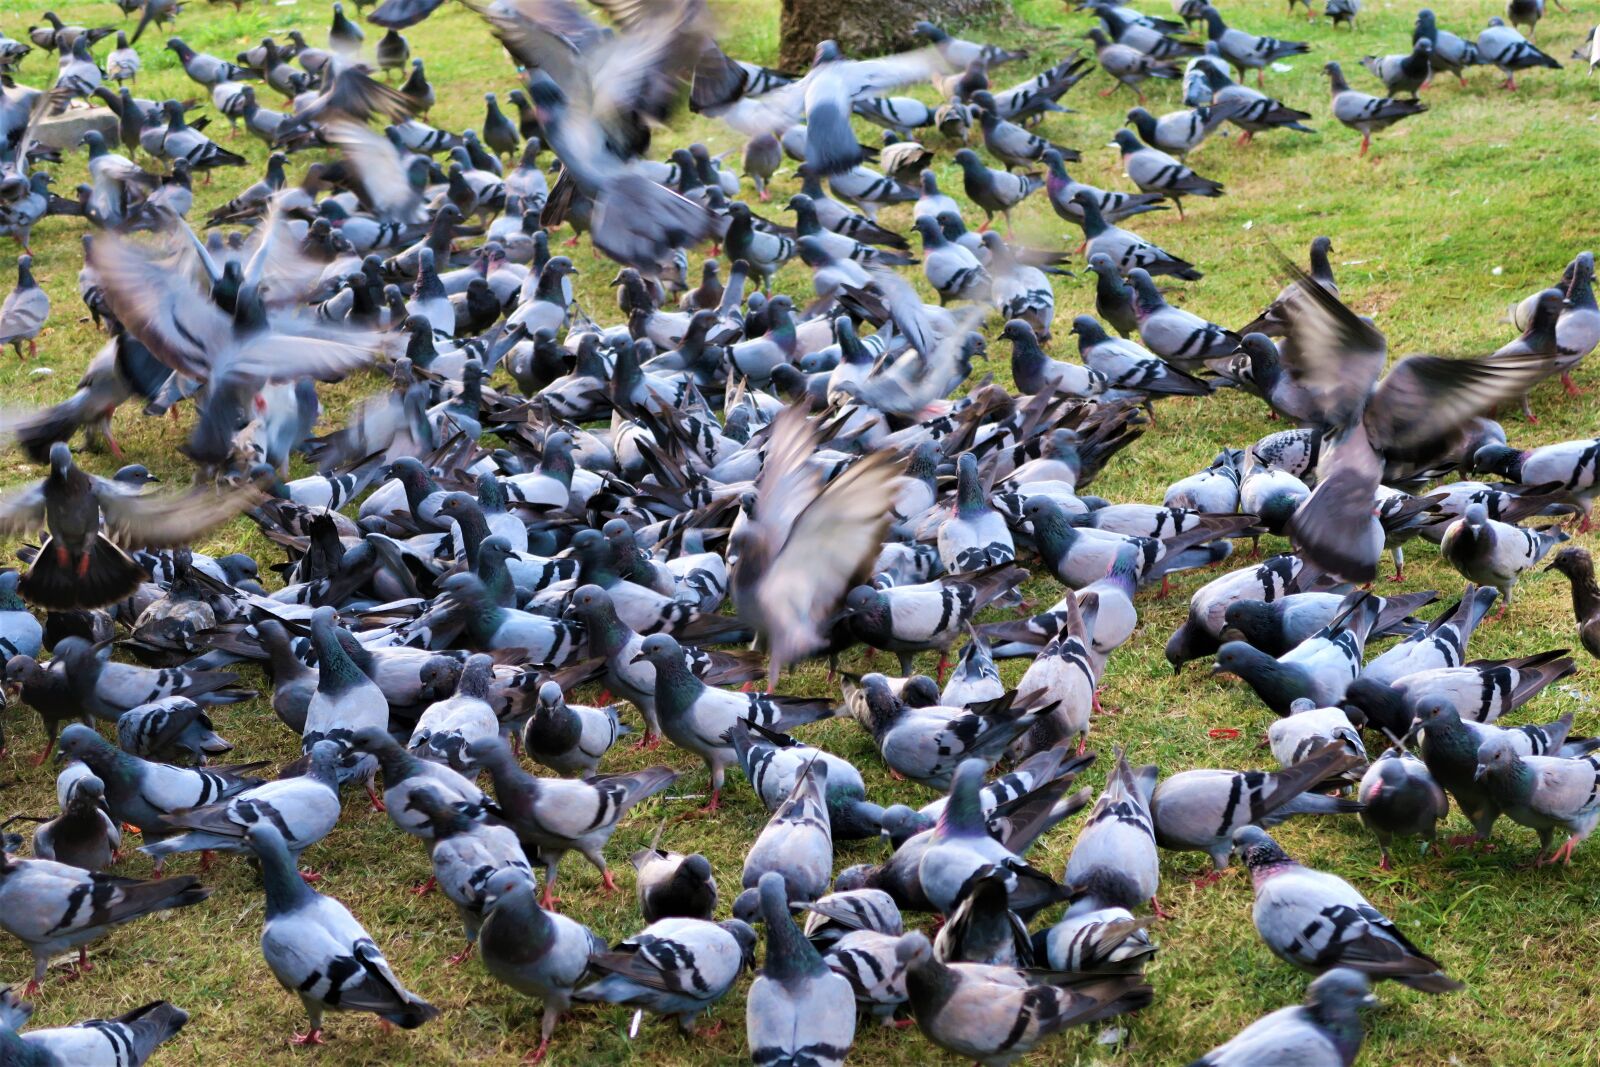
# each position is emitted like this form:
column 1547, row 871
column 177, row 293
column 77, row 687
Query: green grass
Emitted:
column 1467, row 208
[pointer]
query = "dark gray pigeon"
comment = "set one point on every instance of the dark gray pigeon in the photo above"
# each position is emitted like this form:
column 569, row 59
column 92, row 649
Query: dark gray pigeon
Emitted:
column 1400, row 799
column 672, row 885
column 83, row 835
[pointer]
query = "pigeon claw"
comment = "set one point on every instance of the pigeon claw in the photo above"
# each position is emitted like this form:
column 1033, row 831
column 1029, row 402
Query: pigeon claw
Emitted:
column 460, row 957
column 314, row 1037
column 537, row 1054
column 422, row 890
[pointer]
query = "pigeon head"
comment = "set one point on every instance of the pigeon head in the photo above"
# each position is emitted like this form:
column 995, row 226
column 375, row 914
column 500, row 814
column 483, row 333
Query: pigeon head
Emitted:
column 457, row 504
column 928, row 227
column 930, row 183
column 60, row 458
column 827, row 52
column 1018, row 331
column 929, row 32
column 545, row 96
column 1496, row 755
column 968, row 160
column 659, row 649
column 1432, row 711
column 135, row 475
column 80, row 742
column 1126, row 141
column 507, row 882
column 1239, row 658
column 1572, row 561
column 588, row 600
column 550, row 695
column 1498, row 459
column 22, row 670
column 1257, row 849
column 899, row 823
column 913, row 951
column 1088, row 331
column 1476, row 516
column 87, row 791
column 860, row 876
column 1339, row 994
column 862, row 600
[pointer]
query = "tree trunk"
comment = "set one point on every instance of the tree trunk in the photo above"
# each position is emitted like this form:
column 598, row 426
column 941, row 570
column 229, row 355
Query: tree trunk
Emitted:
column 863, row 27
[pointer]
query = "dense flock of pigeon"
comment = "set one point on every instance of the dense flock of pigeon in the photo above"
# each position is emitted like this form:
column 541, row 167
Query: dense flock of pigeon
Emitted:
column 675, row 505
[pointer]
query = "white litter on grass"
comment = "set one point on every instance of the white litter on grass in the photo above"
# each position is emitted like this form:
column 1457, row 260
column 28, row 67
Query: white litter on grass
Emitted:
column 1352, row 263
column 638, row 1016
column 1111, row 1035
column 1250, row 224
column 1282, row 68
column 40, row 372
column 1498, row 271
column 1574, row 692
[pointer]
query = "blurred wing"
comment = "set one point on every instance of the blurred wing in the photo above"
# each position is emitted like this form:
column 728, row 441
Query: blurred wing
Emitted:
column 302, row 348
column 376, row 168
column 831, row 545
column 22, row 511
column 861, row 77
column 152, row 295
column 645, row 71
column 168, row 520
column 1331, row 354
column 1426, row 398
column 789, row 482
column 545, row 35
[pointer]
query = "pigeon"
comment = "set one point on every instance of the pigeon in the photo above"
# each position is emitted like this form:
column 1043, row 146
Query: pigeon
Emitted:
column 672, row 885
column 168, row 729
column 1008, row 142
column 1542, row 792
column 982, row 928
column 1571, row 468
column 794, row 510
column 51, row 907
column 1502, row 46
column 698, row 718
column 926, row 744
column 1172, row 333
column 1320, row 668
column 1246, row 50
column 1178, row 132
column 466, row 854
column 1325, row 1031
column 1277, row 626
column 1307, row 728
column 1153, row 171
column 1495, row 553
column 1273, row 321
column 1035, row 372
column 83, row 835
column 833, row 917
column 1403, row 73
column 952, row 270
column 570, row 739
column 677, row 967
column 958, row 52
column 1421, row 400
column 1361, row 111
column 1318, row 921
column 555, row 815
column 346, row 700
column 1481, row 691
column 1400, row 799
column 1113, row 864
column 774, row 761
column 1124, row 248
column 1061, row 187
column 128, row 1040
column 796, row 843
column 1200, row 810
column 536, row 952
column 1127, row 65
column 20, row 633
column 304, row 808
column 318, row 951
column 206, row 70
column 995, row 1015
column 1576, row 564
column 79, row 565
column 24, row 311
column 994, row 190
column 797, row 1010
column 143, row 793
column 1439, row 645
column 1450, row 52
column 447, row 727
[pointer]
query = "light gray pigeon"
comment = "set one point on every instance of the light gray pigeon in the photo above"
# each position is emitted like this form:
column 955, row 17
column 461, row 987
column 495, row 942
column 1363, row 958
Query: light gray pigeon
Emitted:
column 798, row 1010
column 536, row 952
column 1320, row 668
column 1363, row 111
column 128, row 1040
column 1545, row 793
column 1172, row 333
column 1325, row 1031
column 773, row 762
column 677, row 967
column 51, row 907
column 1199, row 810
column 1153, row 171
column 319, row 952
column 996, row 1015
column 833, row 916
column 304, row 808
column 1114, row 863
column 1125, row 248
column 1247, row 51
column 1507, row 49
column 466, row 854
column 796, row 844
column 1318, row 921
column 1495, row 553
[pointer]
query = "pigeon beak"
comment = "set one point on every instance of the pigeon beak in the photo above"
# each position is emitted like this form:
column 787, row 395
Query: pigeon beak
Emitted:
column 1411, row 734
column 1370, row 1001
column 1478, row 773
column 1217, row 668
